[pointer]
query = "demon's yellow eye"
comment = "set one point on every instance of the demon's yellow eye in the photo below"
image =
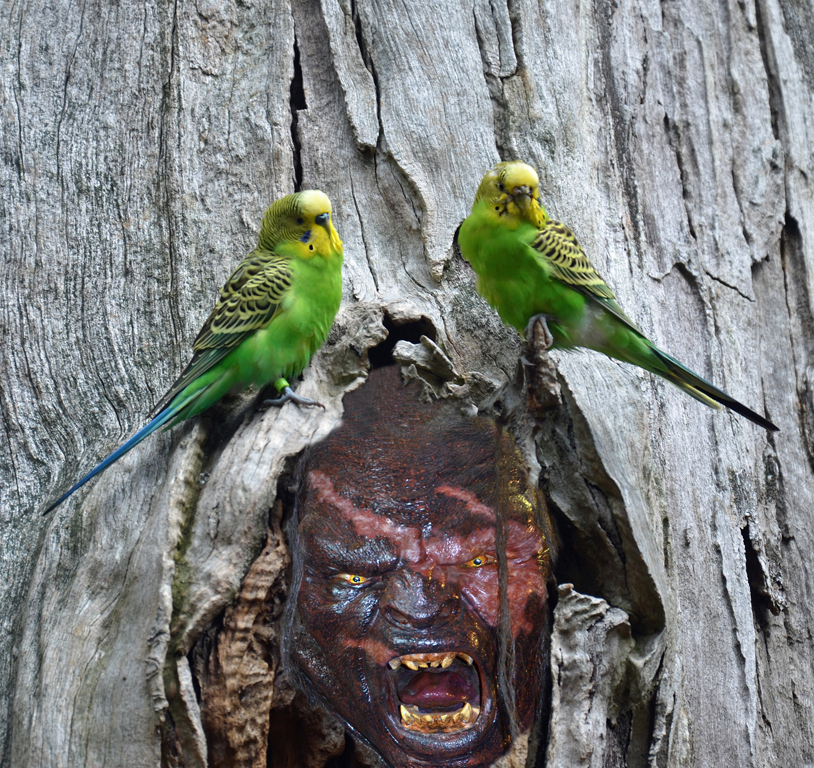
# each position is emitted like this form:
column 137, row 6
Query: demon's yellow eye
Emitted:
column 480, row 561
column 354, row 579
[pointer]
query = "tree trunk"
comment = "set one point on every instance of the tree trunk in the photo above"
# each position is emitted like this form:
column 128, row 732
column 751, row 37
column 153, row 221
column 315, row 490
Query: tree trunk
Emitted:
column 140, row 147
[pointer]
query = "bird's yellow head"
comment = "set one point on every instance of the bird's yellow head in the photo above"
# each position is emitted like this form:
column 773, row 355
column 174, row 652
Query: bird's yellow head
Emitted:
column 305, row 218
column 511, row 192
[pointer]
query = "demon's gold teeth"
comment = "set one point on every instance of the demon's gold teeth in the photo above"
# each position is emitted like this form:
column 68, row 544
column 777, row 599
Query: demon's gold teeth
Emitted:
column 417, row 661
column 436, row 692
column 414, row 720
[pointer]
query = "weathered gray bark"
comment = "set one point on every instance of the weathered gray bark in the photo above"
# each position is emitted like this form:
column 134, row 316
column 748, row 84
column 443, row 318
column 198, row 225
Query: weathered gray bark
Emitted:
column 140, row 146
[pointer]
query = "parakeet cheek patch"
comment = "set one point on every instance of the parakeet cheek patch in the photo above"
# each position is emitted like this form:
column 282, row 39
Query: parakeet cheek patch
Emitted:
column 306, row 237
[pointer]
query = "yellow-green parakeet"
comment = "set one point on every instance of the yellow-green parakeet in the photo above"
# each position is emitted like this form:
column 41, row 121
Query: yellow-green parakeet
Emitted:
column 529, row 265
column 274, row 312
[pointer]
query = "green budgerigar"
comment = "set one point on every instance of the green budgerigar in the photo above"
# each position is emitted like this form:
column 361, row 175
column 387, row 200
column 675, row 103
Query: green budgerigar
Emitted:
column 530, row 266
column 274, row 312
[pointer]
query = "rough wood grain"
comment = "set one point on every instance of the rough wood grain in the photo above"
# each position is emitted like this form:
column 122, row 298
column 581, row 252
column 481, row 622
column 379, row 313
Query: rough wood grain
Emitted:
column 140, row 146
column 591, row 647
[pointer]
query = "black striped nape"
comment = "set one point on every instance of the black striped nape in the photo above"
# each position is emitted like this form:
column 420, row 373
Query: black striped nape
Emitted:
column 280, row 222
column 487, row 189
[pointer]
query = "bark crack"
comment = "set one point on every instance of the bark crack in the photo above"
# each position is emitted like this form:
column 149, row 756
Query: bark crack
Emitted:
column 495, row 82
column 98, row 377
column 364, row 239
column 408, row 199
column 61, row 117
column 367, row 60
column 729, row 601
column 790, row 237
column 10, row 454
column 143, row 40
column 517, row 36
column 736, row 188
column 621, row 129
column 298, row 103
column 775, row 95
column 164, row 172
column 674, row 139
column 758, row 580
column 728, row 285
column 17, row 91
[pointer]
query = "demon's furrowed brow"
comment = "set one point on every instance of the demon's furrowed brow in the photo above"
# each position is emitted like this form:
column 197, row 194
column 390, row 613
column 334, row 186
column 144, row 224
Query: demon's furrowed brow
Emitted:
column 404, row 540
column 400, row 578
column 445, row 557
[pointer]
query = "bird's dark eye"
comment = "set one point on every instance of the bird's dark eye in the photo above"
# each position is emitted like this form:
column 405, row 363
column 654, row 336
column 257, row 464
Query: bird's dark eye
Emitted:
column 300, row 220
column 501, row 187
column 322, row 219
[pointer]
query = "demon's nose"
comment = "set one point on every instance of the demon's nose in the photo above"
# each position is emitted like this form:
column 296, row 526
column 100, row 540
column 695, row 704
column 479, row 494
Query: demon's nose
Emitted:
column 412, row 601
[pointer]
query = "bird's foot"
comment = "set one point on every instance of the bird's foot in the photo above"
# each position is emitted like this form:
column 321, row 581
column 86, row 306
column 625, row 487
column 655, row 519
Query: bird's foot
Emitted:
column 548, row 339
column 540, row 374
column 288, row 395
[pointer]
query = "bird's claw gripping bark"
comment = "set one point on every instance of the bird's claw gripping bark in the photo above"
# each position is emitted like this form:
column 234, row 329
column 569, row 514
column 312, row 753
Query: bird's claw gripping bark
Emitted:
column 289, row 396
column 543, row 389
column 548, row 339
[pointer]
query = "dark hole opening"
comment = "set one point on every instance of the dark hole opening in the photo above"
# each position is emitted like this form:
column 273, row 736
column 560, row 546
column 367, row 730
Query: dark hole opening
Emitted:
column 382, row 354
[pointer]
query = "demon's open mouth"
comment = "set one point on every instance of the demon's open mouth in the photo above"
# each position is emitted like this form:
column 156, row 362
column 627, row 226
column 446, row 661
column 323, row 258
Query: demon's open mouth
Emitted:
column 436, row 692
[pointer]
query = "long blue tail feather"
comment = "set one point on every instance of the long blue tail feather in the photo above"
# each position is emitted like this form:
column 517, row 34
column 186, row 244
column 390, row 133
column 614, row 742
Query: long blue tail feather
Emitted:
column 162, row 418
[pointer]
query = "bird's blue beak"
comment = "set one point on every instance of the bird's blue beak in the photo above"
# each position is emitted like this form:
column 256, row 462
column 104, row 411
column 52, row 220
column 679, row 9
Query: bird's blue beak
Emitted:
column 323, row 219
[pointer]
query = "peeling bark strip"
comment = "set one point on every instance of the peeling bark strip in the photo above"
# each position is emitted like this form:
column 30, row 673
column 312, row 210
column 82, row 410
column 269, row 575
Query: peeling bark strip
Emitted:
column 237, row 678
column 140, row 146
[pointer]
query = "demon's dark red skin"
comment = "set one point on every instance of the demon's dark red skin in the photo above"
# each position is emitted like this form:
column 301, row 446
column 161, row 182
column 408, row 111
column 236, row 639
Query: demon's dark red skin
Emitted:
column 406, row 497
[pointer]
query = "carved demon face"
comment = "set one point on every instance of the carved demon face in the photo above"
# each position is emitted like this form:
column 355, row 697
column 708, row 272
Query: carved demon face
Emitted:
column 416, row 525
